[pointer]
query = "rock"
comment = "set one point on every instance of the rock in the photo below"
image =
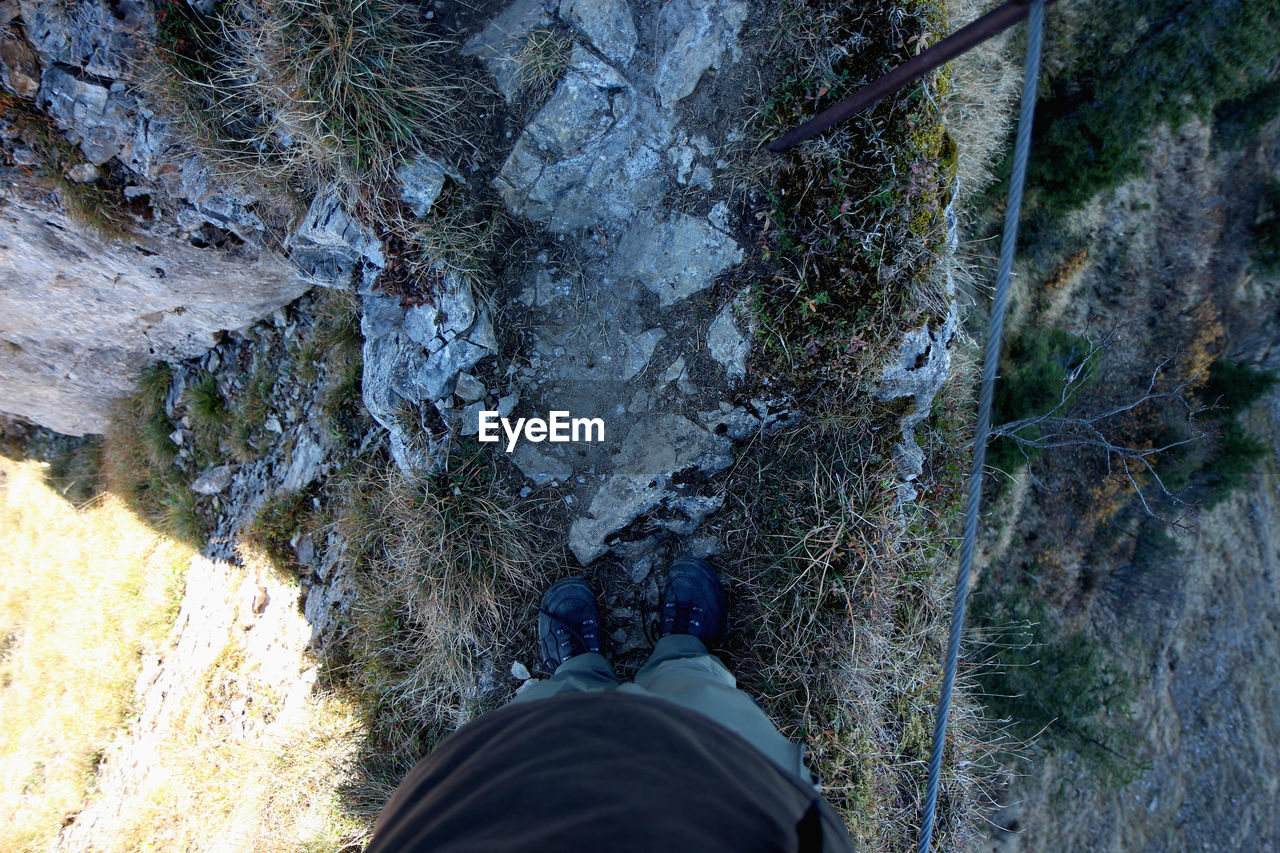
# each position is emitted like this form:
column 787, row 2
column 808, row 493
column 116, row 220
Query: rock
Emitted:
column 272, row 424
column 539, row 467
column 470, row 424
column 657, row 450
column 420, row 184
column 468, row 388
column 520, row 672
column 19, row 69
column 81, row 316
column 305, row 462
column 919, row 372
column 25, row 156
column 507, row 404
column 592, row 156
column 695, row 35
column 499, row 42
column 737, row 423
column 304, row 548
column 674, row 257
column 728, row 345
column 100, row 38
column 214, row 481
column 84, row 173
column 331, row 246
column 95, row 117
column 606, row 23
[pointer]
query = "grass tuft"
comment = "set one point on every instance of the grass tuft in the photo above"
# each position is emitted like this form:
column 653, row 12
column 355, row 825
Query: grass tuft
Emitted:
column 448, row 571
column 540, row 61
column 294, row 91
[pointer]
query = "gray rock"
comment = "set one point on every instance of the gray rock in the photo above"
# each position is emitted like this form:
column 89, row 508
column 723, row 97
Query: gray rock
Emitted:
column 520, row 672
column 80, row 316
column 592, row 156
column 214, row 481
column 695, row 35
column 507, row 404
column 468, row 388
column 735, row 423
column 919, row 372
column 471, row 419
column 101, row 38
column 95, row 117
column 606, row 23
column 84, row 173
column 728, row 345
column 420, row 184
column 331, row 246
column 674, row 257
column 306, row 462
column 656, row 450
column 542, row 468
column 499, row 42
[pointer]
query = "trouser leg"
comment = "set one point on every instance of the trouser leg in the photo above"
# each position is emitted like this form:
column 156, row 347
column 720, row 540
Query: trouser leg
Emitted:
column 680, row 670
column 579, row 673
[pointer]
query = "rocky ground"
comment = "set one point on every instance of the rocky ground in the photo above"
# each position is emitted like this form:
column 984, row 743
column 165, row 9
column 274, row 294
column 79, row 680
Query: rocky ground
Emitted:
column 622, row 292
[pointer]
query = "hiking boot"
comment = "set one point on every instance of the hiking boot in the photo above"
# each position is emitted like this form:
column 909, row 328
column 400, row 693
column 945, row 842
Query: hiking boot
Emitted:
column 693, row 602
column 568, row 622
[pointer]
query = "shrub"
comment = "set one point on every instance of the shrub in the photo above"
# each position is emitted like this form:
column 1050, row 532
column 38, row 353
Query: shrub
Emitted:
column 1057, row 688
column 1142, row 63
column 1035, row 370
column 1266, row 231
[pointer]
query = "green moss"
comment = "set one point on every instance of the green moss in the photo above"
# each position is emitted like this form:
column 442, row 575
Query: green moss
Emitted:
column 859, row 201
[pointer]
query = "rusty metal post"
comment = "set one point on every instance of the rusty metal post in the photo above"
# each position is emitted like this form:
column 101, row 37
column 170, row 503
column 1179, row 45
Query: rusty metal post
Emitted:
column 991, row 24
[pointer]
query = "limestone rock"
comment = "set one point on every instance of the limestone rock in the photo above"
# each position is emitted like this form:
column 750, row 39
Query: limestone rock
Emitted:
column 331, row 246
column 606, row 23
column 728, row 345
column 469, row 389
column 695, row 35
column 499, row 42
column 541, row 468
column 19, row 70
column 214, row 481
column 675, row 257
column 919, row 372
column 79, row 317
column 593, row 154
column 659, row 452
column 420, row 184
column 94, row 116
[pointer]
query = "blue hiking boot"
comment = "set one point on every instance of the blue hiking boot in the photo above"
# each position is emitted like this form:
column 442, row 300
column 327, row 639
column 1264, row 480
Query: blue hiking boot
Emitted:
column 568, row 622
column 693, row 602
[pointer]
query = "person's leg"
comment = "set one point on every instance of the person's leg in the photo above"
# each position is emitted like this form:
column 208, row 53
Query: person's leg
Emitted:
column 583, row 672
column 680, row 670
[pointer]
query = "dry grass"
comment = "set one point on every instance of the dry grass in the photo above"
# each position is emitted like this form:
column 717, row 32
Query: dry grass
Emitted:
column 232, row 748
column 448, row 572
column 982, row 102
column 541, row 59
column 292, row 92
column 841, row 607
column 83, row 594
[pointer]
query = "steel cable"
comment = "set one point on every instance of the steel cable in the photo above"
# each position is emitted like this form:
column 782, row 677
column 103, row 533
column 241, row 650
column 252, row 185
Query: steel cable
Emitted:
column 1008, row 248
